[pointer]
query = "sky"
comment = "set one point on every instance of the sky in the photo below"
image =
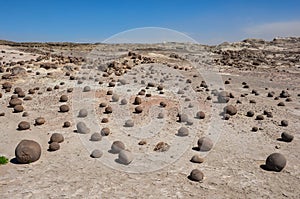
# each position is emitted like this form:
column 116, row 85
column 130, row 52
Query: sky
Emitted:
column 204, row 21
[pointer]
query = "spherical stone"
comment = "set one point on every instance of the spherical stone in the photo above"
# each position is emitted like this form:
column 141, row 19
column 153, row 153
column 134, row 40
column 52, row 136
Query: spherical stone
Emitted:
column 25, row 114
column 124, row 102
column 64, row 108
column 67, row 124
column 230, row 109
column 138, row 109
column 86, row 89
column 275, row 162
column 197, row 159
column 96, row 137
column 63, row 98
column 183, row 117
column 117, row 146
column 137, row 100
column 281, row 104
column 40, row 121
column 108, row 110
column 161, row 115
column 82, row 113
column 57, row 137
column 129, row 123
column 23, row 125
column 260, row 117
column 21, row 94
column 254, row 129
column 18, row 108
column 196, row 175
column 250, row 113
column 82, row 128
column 104, row 120
column 200, row 115
column 287, row 137
column 183, row 131
column 28, row 151
column 163, row 104
column 103, row 104
column 284, row 123
column 205, row 144
column 105, row 131
column 15, row 101
column 54, row 146
column 189, row 122
column 223, row 97
column 96, row 153
column 115, row 98
column 125, row 157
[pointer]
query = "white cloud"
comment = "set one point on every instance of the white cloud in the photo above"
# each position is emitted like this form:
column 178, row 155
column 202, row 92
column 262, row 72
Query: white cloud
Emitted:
column 275, row 29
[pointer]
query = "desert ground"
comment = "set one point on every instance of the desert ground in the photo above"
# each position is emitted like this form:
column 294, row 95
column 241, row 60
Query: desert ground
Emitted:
column 142, row 94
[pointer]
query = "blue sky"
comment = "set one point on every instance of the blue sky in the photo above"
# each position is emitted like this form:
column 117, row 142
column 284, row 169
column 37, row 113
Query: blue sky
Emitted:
column 208, row 22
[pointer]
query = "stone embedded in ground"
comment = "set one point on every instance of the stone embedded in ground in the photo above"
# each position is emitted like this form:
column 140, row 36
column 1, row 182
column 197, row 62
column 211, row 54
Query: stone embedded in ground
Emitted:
column 254, row 129
column 284, row 123
column 57, row 137
column 105, row 131
column 64, row 108
column 161, row 147
column 281, row 104
column 96, row 137
column 137, row 101
column 183, row 131
column 196, row 175
column 142, row 142
column 96, row 153
column 104, row 120
column 124, row 102
column 54, row 146
column 223, row 97
column 18, row 108
column 138, row 109
column 200, row 115
column 15, row 101
column 275, row 162
column 250, row 114
column 115, row 98
column 23, row 125
column 197, row 159
column 129, row 123
column 86, row 89
column 205, row 144
column 286, row 137
column 230, row 109
column 28, row 151
column 82, row 113
column 125, row 157
column 183, row 117
column 102, row 104
column 260, row 117
column 82, row 128
column 40, row 121
column 160, row 115
column 63, row 98
column 117, row 146
column 108, row 110
column 67, row 124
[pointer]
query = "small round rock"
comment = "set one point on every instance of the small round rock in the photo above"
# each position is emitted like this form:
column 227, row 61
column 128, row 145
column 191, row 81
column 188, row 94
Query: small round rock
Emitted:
column 129, row 123
column 23, row 125
column 205, row 144
column 96, row 153
column 275, row 162
column 196, row 175
column 40, row 121
column 183, row 131
column 54, row 146
column 125, row 157
column 96, row 137
column 82, row 113
column 286, row 137
column 117, row 146
column 64, row 108
column 57, row 137
column 197, row 159
column 82, row 128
